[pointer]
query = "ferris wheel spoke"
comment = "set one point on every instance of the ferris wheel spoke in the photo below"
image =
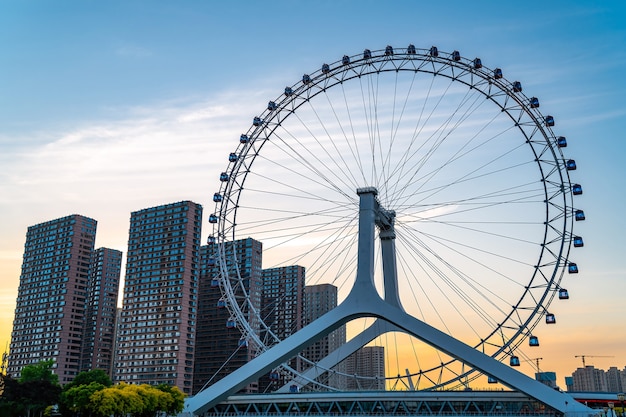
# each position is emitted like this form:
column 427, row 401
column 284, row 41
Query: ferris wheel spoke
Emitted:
column 461, row 293
column 321, row 173
column 417, row 129
column 439, row 136
column 463, row 177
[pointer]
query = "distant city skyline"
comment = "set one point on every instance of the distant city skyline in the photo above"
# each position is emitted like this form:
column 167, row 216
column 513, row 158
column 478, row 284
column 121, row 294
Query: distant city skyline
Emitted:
column 588, row 376
column 159, row 335
column 107, row 109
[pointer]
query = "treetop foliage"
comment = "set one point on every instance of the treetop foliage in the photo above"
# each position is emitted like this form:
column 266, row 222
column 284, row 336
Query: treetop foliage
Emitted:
column 90, row 394
column 41, row 371
column 37, row 389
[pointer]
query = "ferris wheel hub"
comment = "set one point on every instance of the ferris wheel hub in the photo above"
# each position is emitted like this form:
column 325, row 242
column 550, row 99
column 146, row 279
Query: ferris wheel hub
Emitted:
column 367, row 190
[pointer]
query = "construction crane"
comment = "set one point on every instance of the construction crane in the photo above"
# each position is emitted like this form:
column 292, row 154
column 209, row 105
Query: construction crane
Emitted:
column 591, row 356
column 536, row 360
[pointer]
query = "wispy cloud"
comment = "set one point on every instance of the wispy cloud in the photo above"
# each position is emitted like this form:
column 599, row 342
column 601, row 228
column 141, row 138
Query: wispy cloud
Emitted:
column 192, row 136
column 105, row 169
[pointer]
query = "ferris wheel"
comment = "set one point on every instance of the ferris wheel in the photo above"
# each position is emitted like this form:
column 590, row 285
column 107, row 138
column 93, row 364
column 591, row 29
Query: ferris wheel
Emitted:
column 470, row 167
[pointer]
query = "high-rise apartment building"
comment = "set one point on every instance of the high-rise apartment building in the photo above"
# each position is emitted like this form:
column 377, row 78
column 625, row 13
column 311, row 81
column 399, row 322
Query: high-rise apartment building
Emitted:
column 220, row 348
column 589, row 379
column 318, row 300
column 615, row 380
column 282, row 306
column 100, row 311
column 368, row 363
column 282, row 309
column 157, row 330
column 52, row 295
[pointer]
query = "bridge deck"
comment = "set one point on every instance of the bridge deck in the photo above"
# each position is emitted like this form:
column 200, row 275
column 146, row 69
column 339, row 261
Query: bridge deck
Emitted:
column 375, row 403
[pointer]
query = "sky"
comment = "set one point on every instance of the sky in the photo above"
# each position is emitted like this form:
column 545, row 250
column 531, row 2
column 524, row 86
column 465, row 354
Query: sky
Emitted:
column 111, row 107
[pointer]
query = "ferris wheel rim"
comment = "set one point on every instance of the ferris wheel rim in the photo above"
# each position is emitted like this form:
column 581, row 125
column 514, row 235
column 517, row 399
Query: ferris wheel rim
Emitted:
column 318, row 81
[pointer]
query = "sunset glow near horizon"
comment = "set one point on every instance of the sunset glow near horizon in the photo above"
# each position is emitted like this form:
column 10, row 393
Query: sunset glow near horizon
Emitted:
column 110, row 108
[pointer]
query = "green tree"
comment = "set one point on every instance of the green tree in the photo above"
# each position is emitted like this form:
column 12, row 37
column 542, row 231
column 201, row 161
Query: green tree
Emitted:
column 37, row 395
column 37, row 388
column 77, row 399
column 41, row 371
column 149, row 398
column 117, row 400
column 177, row 399
column 87, row 377
column 158, row 399
column 104, row 403
column 10, row 404
column 136, row 400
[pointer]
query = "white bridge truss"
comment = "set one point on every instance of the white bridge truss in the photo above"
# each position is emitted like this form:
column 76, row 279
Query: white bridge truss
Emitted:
column 391, row 403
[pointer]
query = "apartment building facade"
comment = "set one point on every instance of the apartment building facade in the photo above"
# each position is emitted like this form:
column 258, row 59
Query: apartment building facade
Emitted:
column 52, row 295
column 157, row 330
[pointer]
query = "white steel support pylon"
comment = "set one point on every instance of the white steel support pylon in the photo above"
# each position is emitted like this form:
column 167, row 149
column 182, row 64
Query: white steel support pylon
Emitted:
column 364, row 301
column 385, row 221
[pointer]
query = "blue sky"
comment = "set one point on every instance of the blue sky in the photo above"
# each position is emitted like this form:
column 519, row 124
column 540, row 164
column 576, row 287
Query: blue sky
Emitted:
column 110, row 107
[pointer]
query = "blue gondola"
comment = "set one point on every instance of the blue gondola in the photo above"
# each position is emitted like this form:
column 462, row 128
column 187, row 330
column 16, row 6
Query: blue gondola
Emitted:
column 232, row 157
column 497, row 74
column 514, row 361
column 550, row 318
column 456, row 56
column 288, row 91
column 411, row 50
column 579, row 215
column 325, row 68
column 563, row 294
column 570, row 165
column 534, row 102
column 212, row 218
column 306, row 78
column 345, row 60
column 578, row 242
column 274, row 376
column 549, row 121
column 257, row 121
column 577, row 189
column 215, row 282
column 230, row 323
column 293, row 388
column 242, row 342
column 517, row 87
column 572, row 268
column 389, row 50
column 271, row 106
column 478, row 63
column 434, row 51
column 561, row 142
column 533, row 341
column 210, row 240
column 367, row 54
column 211, row 262
column 217, row 197
column 221, row 303
column 224, row 177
